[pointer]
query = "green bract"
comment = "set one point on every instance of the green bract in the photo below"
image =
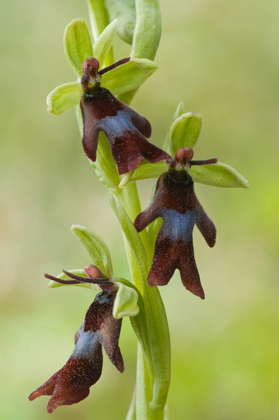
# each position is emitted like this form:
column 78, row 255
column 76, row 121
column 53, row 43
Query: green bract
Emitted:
column 147, row 31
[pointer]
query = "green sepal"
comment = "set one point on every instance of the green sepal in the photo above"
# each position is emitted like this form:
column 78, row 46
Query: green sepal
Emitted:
column 184, row 132
column 104, row 42
column 79, row 272
column 125, row 11
column 128, row 76
column 77, row 44
column 218, row 175
column 96, row 248
column 126, row 300
column 64, row 97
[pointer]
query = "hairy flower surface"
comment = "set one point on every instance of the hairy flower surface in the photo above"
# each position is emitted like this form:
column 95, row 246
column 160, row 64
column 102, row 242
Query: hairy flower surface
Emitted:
column 125, row 129
column 175, row 201
column 83, row 369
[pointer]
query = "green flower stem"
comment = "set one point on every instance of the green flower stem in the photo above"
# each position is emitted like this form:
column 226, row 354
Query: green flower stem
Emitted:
column 145, row 43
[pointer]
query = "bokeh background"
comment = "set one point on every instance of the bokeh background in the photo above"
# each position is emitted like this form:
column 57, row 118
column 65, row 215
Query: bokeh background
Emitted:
column 222, row 60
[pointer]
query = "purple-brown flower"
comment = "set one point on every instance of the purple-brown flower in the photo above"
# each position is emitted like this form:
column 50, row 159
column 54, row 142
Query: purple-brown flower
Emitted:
column 125, row 129
column 175, row 201
column 99, row 329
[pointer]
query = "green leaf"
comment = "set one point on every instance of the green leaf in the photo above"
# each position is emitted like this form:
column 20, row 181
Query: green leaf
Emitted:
column 218, row 175
column 96, row 248
column 184, row 132
column 126, row 301
column 128, row 76
column 125, row 12
column 64, row 97
column 103, row 44
column 79, row 272
column 77, row 44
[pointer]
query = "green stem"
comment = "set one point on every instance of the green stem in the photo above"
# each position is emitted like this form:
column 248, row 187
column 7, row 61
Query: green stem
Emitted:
column 152, row 389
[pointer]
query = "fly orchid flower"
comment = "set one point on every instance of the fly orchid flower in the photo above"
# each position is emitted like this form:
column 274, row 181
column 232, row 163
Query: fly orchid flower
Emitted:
column 125, row 129
column 176, row 203
column 99, row 329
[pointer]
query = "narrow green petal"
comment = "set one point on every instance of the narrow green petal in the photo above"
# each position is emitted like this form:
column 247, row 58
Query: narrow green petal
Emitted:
column 77, row 44
column 179, row 111
column 125, row 12
column 103, row 44
column 96, row 248
column 128, row 76
column 184, row 132
column 126, row 301
column 218, row 175
column 64, row 97
column 79, row 272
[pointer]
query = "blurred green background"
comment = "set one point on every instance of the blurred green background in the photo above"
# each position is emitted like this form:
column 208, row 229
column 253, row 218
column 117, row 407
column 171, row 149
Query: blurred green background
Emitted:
column 222, row 60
